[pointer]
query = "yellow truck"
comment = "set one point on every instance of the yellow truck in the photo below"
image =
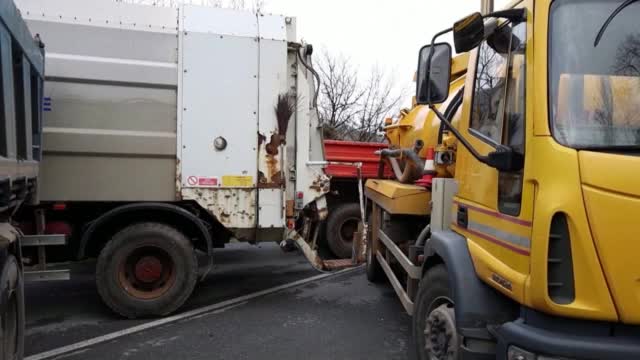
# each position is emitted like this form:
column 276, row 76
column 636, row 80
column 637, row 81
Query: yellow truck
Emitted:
column 511, row 229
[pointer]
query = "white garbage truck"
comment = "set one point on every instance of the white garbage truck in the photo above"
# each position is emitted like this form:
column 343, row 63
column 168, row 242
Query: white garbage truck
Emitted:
column 169, row 132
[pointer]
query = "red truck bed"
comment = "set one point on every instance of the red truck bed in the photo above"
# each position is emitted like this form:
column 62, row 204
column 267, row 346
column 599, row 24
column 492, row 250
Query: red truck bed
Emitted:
column 353, row 151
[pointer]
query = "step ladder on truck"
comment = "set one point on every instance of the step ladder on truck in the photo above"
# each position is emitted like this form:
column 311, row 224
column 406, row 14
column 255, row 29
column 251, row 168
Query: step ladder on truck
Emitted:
column 21, row 86
column 512, row 235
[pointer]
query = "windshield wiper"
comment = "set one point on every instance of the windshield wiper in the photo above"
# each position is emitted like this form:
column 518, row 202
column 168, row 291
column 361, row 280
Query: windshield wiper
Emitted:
column 609, row 19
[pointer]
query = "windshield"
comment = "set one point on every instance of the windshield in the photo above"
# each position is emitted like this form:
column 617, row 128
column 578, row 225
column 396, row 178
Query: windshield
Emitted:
column 595, row 90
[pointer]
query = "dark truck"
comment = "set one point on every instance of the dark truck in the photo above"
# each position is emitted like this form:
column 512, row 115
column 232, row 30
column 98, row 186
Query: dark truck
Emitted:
column 21, row 83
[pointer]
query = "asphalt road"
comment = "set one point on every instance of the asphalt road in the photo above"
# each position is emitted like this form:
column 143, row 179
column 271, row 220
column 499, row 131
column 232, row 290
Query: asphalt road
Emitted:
column 339, row 317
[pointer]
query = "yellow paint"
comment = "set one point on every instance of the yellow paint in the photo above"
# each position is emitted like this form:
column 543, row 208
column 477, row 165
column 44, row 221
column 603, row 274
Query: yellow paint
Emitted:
column 597, row 192
column 613, row 205
column 397, row 198
column 486, row 264
column 237, row 181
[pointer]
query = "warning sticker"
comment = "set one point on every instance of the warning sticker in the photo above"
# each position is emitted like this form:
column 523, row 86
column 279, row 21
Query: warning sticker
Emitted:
column 237, row 181
column 201, row 181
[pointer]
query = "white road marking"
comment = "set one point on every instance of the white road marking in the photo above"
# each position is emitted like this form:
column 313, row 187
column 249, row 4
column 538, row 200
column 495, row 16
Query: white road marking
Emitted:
column 175, row 318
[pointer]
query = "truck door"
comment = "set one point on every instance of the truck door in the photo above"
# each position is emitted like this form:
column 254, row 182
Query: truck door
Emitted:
column 493, row 209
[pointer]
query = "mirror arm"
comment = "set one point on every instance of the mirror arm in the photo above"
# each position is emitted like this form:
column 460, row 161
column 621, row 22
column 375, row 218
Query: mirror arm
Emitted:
column 465, row 142
column 515, row 15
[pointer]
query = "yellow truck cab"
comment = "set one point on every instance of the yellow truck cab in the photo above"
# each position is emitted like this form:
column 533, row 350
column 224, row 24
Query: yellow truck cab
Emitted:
column 529, row 248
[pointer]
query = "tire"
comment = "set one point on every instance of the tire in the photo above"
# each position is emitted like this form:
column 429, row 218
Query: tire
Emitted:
column 12, row 305
column 434, row 328
column 342, row 223
column 375, row 274
column 146, row 270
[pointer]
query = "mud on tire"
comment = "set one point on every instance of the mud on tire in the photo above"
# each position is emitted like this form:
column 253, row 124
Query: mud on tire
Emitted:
column 146, row 270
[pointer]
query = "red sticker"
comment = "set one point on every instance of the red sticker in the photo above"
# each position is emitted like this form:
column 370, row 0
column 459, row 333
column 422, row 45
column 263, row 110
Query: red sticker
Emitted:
column 208, row 181
column 192, row 180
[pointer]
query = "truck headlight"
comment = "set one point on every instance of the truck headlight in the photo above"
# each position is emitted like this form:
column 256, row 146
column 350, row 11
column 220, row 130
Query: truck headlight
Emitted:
column 516, row 353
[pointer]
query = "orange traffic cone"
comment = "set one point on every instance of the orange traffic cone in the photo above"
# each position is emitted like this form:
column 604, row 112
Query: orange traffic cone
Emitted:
column 429, row 169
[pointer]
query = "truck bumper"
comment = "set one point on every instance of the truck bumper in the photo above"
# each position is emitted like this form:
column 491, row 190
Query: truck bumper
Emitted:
column 545, row 337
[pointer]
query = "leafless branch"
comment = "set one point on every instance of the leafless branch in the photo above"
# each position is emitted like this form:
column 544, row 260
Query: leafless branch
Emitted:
column 352, row 108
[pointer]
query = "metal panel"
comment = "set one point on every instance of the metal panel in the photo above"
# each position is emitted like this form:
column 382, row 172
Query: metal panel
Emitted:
column 271, row 159
column 107, row 178
column 220, row 99
column 110, row 107
column 235, row 208
column 113, row 70
column 211, row 20
column 43, row 240
column 442, row 198
column 104, row 13
column 271, row 211
column 272, row 27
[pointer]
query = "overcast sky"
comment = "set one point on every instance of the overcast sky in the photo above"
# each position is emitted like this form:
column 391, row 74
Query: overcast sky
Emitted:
column 388, row 33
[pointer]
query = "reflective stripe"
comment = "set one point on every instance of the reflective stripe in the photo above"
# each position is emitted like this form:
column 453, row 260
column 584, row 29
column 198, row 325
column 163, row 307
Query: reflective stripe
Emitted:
column 518, row 240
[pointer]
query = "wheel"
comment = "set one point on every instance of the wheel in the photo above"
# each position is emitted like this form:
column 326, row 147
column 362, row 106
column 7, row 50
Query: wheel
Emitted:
column 12, row 316
column 375, row 274
column 146, row 269
column 342, row 223
column 434, row 321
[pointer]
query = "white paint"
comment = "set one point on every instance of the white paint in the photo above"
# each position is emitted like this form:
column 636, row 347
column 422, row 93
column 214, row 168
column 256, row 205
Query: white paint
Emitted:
column 220, row 98
column 220, row 21
column 272, row 27
column 175, row 318
column 271, row 211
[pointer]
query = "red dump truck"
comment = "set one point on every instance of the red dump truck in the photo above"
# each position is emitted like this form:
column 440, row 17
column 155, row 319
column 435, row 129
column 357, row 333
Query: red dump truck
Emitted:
column 347, row 162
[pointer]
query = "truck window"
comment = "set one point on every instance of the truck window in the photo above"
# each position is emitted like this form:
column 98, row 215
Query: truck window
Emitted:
column 489, row 90
column 593, row 102
column 510, row 183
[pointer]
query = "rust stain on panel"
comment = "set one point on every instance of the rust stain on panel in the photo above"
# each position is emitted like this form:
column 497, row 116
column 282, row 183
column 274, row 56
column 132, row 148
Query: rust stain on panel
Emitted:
column 270, row 177
column 290, row 208
column 178, row 180
column 234, row 208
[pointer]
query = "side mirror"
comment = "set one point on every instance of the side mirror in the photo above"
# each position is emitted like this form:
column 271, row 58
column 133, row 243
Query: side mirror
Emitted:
column 434, row 74
column 468, row 32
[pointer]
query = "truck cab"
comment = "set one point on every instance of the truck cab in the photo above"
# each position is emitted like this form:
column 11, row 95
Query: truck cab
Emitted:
column 531, row 255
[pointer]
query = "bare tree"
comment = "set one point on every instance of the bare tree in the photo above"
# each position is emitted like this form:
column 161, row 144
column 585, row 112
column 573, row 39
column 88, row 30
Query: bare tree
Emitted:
column 339, row 94
column 377, row 102
column 351, row 108
column 628, row 56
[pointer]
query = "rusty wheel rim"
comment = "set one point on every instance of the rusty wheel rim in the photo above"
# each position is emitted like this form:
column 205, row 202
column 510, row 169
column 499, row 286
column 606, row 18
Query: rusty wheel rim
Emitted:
column 147, row 272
